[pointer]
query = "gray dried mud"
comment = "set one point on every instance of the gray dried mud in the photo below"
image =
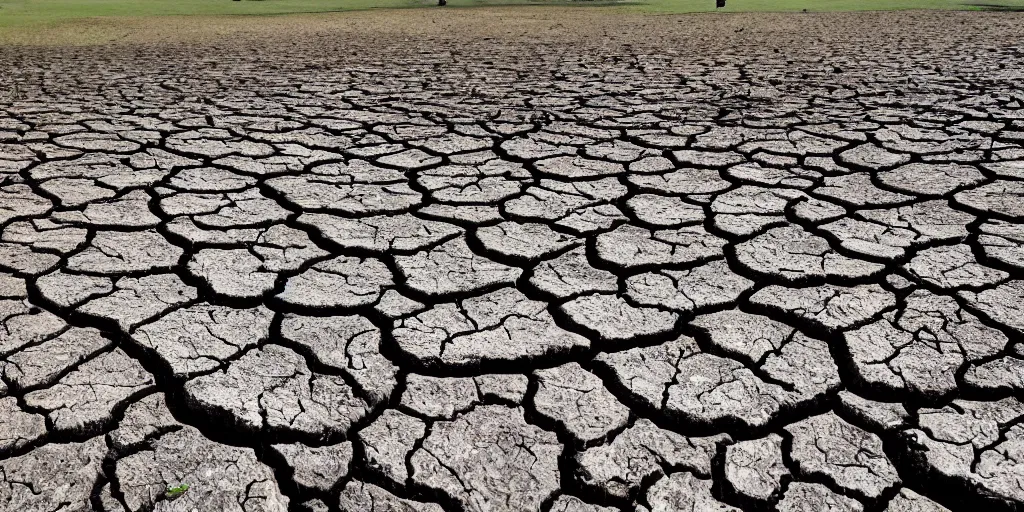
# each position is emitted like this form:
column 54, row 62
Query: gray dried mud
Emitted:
column 777, row 270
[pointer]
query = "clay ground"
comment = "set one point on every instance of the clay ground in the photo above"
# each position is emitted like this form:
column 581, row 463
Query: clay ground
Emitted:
column 516, row 259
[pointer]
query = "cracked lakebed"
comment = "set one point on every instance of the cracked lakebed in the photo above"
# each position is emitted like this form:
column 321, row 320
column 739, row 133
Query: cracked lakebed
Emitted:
column 509, row 276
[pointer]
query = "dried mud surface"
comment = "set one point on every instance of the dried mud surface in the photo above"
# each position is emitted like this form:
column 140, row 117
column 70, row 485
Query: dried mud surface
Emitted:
column 664, row 263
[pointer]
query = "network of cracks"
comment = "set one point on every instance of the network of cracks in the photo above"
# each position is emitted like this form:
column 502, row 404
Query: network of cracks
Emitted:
column 476, row 282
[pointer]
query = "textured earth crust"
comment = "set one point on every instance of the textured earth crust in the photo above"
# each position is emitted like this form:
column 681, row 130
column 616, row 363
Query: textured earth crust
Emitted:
column 705, row 263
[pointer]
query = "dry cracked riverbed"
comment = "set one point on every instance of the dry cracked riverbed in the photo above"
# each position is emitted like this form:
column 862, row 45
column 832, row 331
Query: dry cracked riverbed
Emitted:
column 722, row 264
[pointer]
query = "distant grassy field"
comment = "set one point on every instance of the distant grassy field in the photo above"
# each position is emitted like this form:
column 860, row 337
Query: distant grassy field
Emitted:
column 75, row 22
column 683, row 6
column 19, row 13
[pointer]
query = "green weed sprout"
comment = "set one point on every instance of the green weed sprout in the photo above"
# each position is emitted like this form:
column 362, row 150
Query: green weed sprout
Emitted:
column 176, row 491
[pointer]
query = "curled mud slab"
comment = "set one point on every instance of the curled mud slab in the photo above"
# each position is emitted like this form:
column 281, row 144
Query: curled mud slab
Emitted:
column 366, row 270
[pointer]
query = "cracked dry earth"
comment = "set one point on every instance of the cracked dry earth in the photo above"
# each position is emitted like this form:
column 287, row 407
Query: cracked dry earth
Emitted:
column 770, row 270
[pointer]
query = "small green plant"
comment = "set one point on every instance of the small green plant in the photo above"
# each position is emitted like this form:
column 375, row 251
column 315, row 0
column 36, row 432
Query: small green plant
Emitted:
column 175, row 492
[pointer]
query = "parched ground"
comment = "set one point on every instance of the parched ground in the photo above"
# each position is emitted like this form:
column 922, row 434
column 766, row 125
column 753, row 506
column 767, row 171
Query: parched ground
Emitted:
column 512, row 260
